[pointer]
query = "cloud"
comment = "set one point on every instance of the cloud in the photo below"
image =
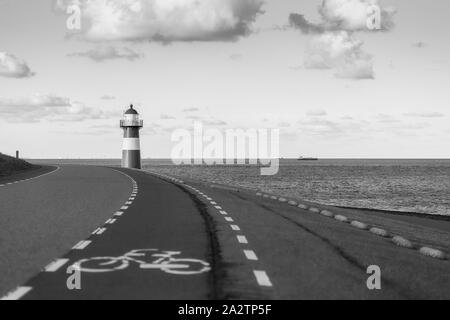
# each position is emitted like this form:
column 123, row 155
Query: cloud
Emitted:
column 207, row 122
column 425, row 114
column 13, row 67
column 107, row 97
column 299, row 21
column 352, row 15
column 236, row 56
column 166, row 117
column 386, row 118
column 345, row 15
column 333, row 44
column 191, row 110
column 316, row 113
column 284, row 124
column 419, row 44
column 317, row 126
column 340, row 51
column 165, row 20
column 101, row 54
column 47, row 107
column 323, row 127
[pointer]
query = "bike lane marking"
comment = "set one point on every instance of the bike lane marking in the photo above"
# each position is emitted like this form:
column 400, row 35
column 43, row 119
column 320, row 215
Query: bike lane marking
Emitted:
column 21, row 291
column 260, row 275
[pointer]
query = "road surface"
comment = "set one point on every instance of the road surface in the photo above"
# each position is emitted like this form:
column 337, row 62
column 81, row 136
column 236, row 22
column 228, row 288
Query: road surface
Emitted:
column 165, row 239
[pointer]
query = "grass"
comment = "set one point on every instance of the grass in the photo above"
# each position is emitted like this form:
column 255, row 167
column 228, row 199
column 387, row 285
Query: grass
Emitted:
column 10, row 165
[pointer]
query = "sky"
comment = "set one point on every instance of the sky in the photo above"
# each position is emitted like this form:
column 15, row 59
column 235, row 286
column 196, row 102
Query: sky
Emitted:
column 334, row 88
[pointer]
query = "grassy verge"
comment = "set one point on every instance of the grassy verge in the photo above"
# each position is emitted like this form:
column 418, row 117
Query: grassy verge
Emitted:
column 10, row 165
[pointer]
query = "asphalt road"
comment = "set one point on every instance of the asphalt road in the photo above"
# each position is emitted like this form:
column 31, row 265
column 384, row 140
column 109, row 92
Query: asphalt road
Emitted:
column 42, row 218
column 162, row 239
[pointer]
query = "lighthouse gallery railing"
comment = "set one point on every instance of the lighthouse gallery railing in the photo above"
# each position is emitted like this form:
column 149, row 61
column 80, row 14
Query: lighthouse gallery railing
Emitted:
column 131, row 123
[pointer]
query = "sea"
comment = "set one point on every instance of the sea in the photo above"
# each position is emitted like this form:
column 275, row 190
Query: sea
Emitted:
column 417, row 186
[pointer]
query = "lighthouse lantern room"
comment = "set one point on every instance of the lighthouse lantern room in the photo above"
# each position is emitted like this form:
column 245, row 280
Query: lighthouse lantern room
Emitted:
column 131, row 150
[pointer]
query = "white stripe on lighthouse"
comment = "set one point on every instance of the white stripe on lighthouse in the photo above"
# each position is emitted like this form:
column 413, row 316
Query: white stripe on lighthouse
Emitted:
column 131, row 144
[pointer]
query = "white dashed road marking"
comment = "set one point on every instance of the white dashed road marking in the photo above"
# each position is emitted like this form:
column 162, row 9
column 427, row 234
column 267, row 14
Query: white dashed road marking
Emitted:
column 17, row 294
column 55, row 265
column 250, row 255
column 111, row 221
column 99, row 231
column 82, row 245
column 118, row 213
column 260, row 275
column 242, row 239
column 262, row 278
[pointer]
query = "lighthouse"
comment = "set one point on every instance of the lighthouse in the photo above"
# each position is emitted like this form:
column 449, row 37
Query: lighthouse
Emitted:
column 131, row 150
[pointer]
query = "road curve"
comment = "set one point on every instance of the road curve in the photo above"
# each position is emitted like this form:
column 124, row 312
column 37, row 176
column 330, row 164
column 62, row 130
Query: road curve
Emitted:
column 43, row 217
column 188, row 240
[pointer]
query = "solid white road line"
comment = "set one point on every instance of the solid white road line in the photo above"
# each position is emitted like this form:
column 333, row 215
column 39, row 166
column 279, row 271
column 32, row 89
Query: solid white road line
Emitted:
column 229, row 219
column 250, row 255
column 242, row 239
column 82, row 245
column 262, row 278
column 17, row 293
column 223, row 212
column 235, row 227
column 55, row 265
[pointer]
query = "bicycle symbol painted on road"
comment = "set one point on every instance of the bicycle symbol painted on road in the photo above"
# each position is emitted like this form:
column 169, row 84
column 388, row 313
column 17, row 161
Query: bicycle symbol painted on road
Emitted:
column 152, row 259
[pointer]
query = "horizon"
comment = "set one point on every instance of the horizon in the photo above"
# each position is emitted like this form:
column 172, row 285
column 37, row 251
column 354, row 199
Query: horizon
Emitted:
column 333, row 90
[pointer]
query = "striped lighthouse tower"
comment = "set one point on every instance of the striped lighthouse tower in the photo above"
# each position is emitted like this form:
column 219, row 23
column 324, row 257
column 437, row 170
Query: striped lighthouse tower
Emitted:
column 131, row 151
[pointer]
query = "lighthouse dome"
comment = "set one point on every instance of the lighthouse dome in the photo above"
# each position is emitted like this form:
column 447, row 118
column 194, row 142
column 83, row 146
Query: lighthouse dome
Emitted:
column 131, row 110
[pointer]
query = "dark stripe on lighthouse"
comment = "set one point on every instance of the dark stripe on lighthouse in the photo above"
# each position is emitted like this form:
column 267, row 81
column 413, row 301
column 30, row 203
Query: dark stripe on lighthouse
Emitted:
column 131, row 159
column 131, row 132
